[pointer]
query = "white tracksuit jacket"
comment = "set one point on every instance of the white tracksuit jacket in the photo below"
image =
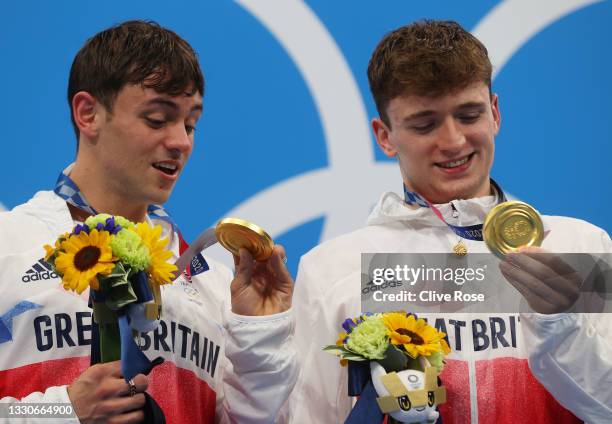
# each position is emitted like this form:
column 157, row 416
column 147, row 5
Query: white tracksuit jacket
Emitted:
column 220, row 367
column 487, row 376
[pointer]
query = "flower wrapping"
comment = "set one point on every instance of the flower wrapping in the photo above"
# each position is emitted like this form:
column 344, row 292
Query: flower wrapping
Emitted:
column 123, row 264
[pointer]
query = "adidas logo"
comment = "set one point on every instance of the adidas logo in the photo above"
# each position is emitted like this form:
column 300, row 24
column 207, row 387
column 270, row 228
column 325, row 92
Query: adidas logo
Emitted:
column 41, row 270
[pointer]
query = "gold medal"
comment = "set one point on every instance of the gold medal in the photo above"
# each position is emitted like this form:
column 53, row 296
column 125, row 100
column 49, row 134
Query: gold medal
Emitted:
column 512, row 225
column 234, row 233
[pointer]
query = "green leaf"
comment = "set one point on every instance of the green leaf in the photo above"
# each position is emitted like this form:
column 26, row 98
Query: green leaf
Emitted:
column 117, row 277
column 120, row 296
column 334, row 349
column 117, row 288
column 344, row 353
column 394, row 360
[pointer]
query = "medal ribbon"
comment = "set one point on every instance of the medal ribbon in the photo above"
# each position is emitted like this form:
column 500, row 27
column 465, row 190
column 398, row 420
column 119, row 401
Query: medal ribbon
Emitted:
column 470, row 232
column 67, row 189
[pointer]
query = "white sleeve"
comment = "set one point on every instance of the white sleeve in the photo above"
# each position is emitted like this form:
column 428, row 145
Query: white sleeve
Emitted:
column 55, row 394
column 320, row 395
column 571, row 355
column 261, row 369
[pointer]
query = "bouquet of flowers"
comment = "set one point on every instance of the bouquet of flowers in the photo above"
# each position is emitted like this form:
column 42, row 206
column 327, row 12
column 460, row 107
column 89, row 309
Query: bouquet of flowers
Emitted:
column 123, row 264
column 398, row 357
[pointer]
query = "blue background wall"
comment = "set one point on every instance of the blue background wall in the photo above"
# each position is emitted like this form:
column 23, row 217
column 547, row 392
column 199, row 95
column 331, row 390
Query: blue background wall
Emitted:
column 285, row 140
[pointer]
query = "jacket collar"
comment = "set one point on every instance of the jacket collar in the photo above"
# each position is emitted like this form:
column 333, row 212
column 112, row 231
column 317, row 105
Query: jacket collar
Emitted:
column 392, row 208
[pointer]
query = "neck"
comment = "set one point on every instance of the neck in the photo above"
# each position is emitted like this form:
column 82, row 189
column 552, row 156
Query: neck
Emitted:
column 103, row 196
column 486, row 189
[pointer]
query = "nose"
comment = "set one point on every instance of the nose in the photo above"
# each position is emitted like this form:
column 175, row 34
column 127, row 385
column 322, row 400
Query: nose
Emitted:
column 450, row 137
column 179, row 141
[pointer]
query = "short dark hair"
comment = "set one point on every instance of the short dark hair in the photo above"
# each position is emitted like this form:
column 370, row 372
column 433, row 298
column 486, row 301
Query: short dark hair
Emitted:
column 426, row 58
column 134, row 52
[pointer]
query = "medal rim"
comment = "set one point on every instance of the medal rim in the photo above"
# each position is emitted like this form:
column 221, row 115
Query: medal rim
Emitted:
column 496, row 218
column 260, row 242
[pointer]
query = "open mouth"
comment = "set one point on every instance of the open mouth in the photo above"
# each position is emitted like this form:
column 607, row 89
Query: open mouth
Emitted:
column 166, row 167
column 456, row 163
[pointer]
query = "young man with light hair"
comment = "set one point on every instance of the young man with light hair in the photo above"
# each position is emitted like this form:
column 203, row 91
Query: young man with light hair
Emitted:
column 438, row 116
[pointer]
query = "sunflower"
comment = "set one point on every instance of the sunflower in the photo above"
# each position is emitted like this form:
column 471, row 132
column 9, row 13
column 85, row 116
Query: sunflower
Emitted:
column 160, row 270
column 50, row 251
column 84, row 256
column 416, row 336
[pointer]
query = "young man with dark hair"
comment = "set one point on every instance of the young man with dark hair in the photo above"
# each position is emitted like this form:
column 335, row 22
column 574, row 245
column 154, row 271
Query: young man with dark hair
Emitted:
column 135, row 95
column 431, row 82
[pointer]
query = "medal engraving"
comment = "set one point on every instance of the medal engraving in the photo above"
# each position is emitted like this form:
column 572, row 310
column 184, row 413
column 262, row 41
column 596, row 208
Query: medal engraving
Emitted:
column 512, row 225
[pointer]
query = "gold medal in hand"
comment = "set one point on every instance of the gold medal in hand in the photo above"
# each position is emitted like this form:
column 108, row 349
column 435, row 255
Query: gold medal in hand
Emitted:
column 234, row 233
column 512, row 225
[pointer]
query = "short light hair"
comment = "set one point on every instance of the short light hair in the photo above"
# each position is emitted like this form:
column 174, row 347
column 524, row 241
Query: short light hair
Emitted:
column 426, row 58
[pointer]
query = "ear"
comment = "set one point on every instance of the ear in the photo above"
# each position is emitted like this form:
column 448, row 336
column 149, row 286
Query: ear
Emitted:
column 382, row 134
column 85, row 110
column 496, row 113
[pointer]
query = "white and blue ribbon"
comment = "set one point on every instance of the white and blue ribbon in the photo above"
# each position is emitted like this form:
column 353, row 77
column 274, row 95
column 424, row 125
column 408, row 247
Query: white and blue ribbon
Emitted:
column 470, row 232
column 67, row 189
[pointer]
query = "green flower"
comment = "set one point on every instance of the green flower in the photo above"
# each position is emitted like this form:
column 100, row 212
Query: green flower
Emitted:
column 128, row 247
column 101, row 218
column 436, row 359
column 125, row 223
column 369, row 338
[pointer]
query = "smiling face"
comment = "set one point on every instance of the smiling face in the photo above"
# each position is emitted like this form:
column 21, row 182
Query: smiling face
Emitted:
column 444, row 144
column 143, row 145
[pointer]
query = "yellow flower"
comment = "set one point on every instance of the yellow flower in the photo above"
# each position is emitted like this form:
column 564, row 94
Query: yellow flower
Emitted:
column 50, row 251
column 84, row 256
column 340, row 342
column 416, row 336
column 160, row 270
column 445, row 347
column 58, row 245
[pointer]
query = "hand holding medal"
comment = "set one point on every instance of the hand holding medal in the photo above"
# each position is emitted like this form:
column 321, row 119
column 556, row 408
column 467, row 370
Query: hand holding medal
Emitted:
column 262, row 285
column 513, row 231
